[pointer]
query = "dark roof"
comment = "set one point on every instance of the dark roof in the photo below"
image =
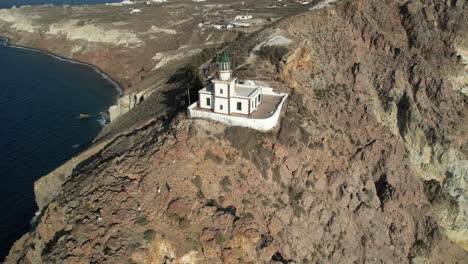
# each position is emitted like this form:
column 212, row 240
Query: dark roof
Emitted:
column 225, row 58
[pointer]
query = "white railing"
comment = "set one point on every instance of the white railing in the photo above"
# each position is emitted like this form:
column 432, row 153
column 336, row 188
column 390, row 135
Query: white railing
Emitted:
column 263, row 124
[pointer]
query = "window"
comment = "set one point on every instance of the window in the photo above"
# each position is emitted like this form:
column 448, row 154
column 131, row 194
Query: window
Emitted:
column 221, row 91
column 258, row 97
column 239, row 106
column 208, row 101
column 220, row 107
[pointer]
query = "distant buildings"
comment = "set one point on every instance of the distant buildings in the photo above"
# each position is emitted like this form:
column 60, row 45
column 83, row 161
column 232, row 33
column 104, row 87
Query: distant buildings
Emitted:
column 302, row 2
column 151, row 2
column 240, row 25
column 220, row 27
column 123, row 3
column 243, row 17
column 127, row 2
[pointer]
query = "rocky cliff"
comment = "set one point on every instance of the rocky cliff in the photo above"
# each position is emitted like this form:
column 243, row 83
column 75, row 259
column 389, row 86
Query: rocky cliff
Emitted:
column 368, row 164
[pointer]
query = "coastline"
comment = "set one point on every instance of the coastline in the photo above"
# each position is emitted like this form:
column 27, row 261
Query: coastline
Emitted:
column 101, row 114
column 6, row 41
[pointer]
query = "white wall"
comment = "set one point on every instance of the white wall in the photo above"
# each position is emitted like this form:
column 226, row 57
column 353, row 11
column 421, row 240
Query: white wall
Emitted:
column 203, row 101
column 253, row 103
column 221, row 101
column 225, row 76
column 218, row 87
column 268, row 90
column 245, row 106
column 259, row 124
column 232, row 87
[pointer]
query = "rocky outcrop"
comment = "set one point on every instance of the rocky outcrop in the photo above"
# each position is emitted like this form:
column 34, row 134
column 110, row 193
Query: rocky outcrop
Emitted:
column 367, row 165
column 128, row 102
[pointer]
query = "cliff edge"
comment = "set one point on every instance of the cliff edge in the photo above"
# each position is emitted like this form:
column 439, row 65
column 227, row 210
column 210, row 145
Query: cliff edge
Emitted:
column 368, row 164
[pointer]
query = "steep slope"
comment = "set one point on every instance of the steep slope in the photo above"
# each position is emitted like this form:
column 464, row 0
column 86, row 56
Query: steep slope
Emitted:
column 368, row 164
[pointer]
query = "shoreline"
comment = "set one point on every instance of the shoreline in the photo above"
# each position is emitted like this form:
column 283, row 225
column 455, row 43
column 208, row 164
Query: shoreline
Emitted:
column 6, row 41
column 101, row 119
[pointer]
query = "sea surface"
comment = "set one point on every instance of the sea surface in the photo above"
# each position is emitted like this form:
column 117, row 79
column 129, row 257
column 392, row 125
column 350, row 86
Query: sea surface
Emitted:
column 10, row 3
column 40, row 99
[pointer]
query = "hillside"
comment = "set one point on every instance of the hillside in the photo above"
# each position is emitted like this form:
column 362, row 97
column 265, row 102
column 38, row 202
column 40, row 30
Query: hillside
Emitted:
column 368, row 165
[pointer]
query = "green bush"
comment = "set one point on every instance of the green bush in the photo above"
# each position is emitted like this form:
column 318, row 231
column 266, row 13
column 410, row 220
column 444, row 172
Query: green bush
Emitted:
column 184, row 223
column 197, row 181
column 149, row 235
column 219, row 238
column 142, row 221
column 273, row 53
column 225, row 182
column 195, row 80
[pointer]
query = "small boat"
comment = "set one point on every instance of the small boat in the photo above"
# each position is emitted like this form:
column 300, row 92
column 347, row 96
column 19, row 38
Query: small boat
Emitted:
column 84, row 116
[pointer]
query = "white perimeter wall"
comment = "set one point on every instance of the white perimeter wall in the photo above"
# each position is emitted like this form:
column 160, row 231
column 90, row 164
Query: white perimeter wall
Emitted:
column 245, row 106
column 203, row 101
column 221, row 101
column 259, row 124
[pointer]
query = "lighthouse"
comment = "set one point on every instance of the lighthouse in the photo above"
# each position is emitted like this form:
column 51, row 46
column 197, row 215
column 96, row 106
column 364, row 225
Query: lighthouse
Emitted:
column 225, row 68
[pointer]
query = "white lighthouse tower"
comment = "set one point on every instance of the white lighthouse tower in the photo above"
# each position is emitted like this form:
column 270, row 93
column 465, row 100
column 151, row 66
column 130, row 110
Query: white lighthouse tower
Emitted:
column 225, row 68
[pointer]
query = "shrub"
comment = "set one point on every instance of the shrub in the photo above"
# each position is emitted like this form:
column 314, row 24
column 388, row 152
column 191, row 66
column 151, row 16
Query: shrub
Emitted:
column 225, row 182
column 149, row 235
column 184, row 223
column 219, row 238
column 210, row 155
column 142, row 221
column 273, row 53
column 195, row 80
column 197, row 181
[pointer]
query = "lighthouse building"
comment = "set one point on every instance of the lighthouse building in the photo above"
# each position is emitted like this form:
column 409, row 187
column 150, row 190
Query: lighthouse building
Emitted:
column 225, row 95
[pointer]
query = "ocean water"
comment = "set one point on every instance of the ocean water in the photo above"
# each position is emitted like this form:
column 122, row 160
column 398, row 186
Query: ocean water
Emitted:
column 10, row 3
column 40, row 99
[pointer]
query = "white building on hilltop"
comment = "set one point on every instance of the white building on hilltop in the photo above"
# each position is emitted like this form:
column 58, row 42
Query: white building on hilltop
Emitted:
column 243, row 17
column 227, row 101
column 226, row 96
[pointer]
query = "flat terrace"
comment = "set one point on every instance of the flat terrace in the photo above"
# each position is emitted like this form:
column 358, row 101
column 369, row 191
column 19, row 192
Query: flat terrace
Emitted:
column 266, row 109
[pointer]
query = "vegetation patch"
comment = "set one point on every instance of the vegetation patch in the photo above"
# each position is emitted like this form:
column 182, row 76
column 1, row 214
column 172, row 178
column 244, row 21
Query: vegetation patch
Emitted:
column 273, row 53
column 197, row 181
column 142, row 221
column 225, row 182
column 219, row 238
column 276, row 174
column 250, row 143
column 217, row 159
column 295, row 197
column 184, row 223
column 149, row 235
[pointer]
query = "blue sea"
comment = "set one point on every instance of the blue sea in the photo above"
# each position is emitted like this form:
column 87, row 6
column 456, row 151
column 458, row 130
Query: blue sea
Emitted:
column 10, row 3
column 40, row 99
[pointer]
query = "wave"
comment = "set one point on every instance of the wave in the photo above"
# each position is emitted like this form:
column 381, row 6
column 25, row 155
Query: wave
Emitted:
column 102, row 119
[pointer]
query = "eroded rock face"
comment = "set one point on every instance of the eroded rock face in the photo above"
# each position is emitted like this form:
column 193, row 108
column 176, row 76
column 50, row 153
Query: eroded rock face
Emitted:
column 367, row 165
